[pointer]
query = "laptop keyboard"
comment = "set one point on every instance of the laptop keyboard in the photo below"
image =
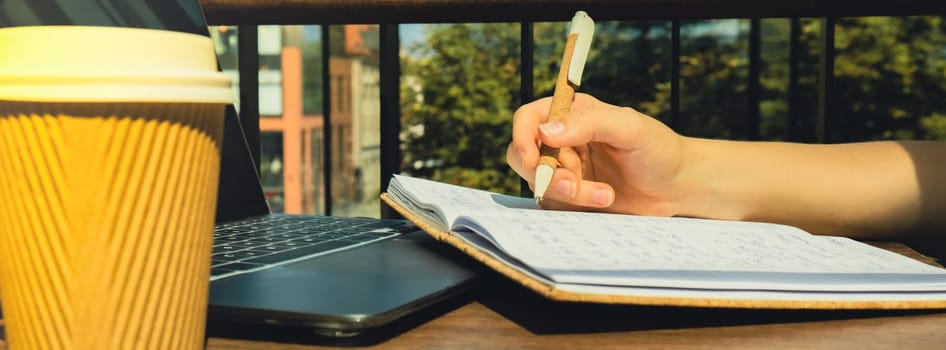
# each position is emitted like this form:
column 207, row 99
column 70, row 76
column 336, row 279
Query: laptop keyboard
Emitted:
column 258, row 243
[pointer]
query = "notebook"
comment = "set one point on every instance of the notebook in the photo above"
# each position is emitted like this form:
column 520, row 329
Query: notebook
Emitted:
column 336, row 276
column 665, row 261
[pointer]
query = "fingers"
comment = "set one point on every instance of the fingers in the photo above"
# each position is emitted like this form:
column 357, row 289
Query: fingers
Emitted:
column 516, row 158
column 522, row 154
column 567, row 191
column 590, row 120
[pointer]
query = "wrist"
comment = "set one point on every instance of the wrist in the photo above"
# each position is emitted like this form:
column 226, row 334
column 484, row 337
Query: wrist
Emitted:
column 710, row 187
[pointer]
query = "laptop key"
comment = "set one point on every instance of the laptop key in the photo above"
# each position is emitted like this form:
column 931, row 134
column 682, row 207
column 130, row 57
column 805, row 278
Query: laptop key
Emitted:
column 245, row 244
column 227, row 248
column 308, row 240
column 239, row 255
column 281, row 247
column 267, row 240
column 289, row 235
column 226, row 256
column 228, row 238
column 286, row 245
column 299, row 252
column 233, row 230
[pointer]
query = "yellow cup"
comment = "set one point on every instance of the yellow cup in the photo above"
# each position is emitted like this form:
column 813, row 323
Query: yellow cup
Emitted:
column 109, row 159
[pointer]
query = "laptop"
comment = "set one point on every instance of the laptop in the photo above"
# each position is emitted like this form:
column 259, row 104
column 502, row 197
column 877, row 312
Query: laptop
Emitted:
column 337, row 276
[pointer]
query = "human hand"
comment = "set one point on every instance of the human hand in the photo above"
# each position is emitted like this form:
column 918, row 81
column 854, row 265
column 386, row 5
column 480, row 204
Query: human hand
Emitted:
column 613, row 159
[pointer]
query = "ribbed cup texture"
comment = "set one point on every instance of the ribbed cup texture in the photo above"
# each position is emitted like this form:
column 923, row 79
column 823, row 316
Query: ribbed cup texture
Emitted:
column 106, row 223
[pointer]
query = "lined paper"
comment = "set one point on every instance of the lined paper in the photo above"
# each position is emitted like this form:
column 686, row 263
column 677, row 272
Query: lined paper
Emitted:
column 627, row 250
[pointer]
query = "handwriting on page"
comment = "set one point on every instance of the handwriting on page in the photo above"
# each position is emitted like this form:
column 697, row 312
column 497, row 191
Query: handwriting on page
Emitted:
column 606, row 242
column 590, row 241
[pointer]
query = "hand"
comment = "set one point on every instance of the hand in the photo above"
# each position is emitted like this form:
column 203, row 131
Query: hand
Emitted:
column 614, row 159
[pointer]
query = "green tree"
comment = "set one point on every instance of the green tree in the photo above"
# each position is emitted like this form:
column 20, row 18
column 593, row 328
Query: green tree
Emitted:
column 890, row 78
column 627, row 64
column 713, row 77
column 460, row 90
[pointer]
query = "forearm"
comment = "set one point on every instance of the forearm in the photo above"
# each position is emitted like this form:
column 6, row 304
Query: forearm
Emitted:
column 864, row 190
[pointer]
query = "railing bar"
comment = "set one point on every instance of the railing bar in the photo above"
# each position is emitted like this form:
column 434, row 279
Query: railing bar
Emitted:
column 327, row 166
column 390, row 73
column 826, row 131
column 463, row 11
column 754, row 88
column 248, row 70
column 526, row 77
column 794, row 99
column 674, row 74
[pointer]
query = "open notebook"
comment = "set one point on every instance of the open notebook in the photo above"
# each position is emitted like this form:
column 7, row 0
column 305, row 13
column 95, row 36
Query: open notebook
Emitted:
column 627, row 259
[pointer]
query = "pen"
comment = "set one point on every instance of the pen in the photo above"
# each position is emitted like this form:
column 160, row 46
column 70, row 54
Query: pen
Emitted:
column 569, row 78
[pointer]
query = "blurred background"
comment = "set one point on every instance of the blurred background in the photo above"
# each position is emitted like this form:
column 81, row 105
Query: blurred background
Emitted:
column 460, row 84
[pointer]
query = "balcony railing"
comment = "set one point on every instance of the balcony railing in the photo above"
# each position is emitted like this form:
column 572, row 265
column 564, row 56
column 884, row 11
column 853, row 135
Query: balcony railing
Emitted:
column 252, row 12
column 247, row 14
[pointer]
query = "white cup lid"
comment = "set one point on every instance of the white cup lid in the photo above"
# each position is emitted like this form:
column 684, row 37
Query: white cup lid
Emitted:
column 102, row 64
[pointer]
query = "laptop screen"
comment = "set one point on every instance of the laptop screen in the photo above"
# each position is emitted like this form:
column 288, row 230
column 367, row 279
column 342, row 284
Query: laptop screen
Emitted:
column 176, row 15
column 240, row 194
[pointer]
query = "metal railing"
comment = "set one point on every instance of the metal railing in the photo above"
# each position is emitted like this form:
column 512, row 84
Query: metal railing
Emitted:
column 247, row 14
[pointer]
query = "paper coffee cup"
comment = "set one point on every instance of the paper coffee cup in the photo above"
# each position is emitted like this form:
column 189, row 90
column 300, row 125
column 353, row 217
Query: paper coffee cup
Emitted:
column 109, row 159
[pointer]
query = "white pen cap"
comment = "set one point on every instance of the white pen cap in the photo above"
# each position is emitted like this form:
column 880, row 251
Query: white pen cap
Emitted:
column 584, row 26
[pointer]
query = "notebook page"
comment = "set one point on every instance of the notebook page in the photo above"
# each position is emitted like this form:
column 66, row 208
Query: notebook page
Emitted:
column 625, row 250
column 607, row 249
column 450, row 201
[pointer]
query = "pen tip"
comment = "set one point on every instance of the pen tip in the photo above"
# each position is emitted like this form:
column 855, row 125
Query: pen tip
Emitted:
column 543, row 175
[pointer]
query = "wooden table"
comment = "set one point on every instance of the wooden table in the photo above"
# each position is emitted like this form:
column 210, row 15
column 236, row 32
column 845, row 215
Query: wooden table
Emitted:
column 499, row 314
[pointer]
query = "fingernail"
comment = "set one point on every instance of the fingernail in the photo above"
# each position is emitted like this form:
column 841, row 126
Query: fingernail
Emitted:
column 601, row 197
column 565, row 187
column 553, row 128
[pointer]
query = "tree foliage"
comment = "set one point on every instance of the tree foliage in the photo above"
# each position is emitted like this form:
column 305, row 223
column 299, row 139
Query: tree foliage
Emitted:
column 627, row 64
column 891, row 78
column 458, row 98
